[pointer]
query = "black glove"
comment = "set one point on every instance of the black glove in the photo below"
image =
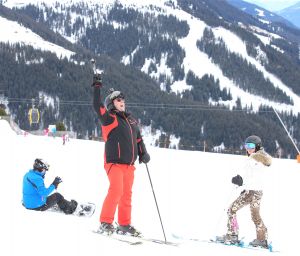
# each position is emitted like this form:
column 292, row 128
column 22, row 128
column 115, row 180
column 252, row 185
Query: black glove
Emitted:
column 56, row 181
column 97, row 81
column 237, row 180
column 144, row 158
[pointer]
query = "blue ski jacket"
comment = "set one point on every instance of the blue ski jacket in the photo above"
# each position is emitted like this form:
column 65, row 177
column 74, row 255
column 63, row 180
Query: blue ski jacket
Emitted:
column 34, row 191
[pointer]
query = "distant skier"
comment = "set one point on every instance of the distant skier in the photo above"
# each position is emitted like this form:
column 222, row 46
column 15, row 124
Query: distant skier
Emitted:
column 123, row 143
column 37, row 197
column 46, row 132
column 252, row 183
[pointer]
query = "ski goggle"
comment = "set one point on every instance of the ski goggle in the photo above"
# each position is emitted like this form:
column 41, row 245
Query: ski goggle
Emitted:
column 120, row 99
column 249, row 146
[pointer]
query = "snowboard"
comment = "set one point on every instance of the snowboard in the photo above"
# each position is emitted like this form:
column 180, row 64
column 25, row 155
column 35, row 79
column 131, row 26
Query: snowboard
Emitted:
column 84, row 209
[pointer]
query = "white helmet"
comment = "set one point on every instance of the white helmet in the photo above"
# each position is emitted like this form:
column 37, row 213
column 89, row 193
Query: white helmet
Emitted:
column 108, row 102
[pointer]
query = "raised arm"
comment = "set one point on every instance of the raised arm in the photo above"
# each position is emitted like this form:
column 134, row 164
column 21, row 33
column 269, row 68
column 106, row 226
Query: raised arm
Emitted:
column 104, row 116
column 97, row 103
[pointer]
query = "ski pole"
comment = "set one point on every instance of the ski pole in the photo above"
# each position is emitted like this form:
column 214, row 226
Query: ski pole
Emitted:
column 162, row 226
column 286, row 130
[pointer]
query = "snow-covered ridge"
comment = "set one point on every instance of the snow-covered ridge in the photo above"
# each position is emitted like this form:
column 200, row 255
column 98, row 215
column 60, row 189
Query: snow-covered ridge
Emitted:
column 139, row 3
column 16, row 33
column 200, row 64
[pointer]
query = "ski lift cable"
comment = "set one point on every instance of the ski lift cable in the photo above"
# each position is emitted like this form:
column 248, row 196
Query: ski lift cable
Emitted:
column 147, row 105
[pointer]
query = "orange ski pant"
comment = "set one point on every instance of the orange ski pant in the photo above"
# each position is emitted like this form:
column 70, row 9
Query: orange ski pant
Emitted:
column 121, row 178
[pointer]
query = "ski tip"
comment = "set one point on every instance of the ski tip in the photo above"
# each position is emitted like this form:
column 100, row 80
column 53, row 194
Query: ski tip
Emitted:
column 103, row 233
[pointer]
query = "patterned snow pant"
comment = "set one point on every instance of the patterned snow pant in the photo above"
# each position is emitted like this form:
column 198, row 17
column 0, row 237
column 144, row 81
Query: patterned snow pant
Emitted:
column 253, row 198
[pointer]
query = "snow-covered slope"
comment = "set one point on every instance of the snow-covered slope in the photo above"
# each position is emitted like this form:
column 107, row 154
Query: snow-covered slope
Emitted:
column 193, row 190
column 14, row 3
column 13, row 33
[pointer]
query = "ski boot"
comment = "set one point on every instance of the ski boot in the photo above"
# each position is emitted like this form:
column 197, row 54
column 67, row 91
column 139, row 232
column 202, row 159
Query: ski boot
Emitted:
column 70, row 207
column 106, row 228
column 228, row 239
column 127, row 230
column 259, row 243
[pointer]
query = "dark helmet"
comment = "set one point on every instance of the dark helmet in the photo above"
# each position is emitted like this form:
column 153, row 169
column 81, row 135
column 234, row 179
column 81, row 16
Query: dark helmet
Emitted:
column 108, row 102
column 255, row 140
column 40, row 165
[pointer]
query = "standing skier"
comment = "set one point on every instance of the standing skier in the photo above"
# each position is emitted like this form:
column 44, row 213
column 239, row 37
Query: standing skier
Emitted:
column 252, row 183
column 37, row 197
column 123, row 143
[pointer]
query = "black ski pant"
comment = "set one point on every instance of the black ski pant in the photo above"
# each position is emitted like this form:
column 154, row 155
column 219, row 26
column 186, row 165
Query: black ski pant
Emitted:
column 66, row 206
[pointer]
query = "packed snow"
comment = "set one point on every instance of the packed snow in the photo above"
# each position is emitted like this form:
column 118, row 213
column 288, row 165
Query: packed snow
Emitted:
column 193, row 191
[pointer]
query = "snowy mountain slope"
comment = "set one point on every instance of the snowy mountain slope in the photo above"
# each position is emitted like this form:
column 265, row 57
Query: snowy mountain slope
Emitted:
column 196, row 61
column 204, row 65
column 13, row 33
column 192, row 200
column 235, row 44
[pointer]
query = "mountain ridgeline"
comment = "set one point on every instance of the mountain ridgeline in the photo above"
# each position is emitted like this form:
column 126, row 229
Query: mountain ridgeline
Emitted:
column 260, row 13
column 125, row 35
column 292, row 14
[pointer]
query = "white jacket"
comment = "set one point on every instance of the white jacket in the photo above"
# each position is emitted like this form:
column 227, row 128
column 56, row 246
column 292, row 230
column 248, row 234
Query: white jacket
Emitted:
column 255, row 170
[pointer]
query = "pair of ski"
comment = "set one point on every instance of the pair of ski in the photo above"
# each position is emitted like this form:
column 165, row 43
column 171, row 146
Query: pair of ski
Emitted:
column 241, row 244
column 134, row 240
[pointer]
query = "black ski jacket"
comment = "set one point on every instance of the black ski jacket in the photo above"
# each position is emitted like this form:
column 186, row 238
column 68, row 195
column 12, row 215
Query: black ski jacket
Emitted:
column 123, row 141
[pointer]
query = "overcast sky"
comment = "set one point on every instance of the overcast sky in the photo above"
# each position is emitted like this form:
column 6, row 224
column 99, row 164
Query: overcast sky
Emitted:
column 273, row 5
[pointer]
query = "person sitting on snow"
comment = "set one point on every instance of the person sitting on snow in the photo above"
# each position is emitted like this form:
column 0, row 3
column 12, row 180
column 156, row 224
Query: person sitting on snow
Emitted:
column 37, row 197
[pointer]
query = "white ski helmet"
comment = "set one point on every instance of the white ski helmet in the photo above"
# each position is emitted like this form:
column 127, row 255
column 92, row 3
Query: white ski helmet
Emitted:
column 108, row 102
